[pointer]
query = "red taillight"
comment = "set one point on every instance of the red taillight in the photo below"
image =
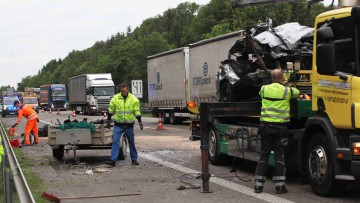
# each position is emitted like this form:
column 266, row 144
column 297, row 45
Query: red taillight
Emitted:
column 356, row 146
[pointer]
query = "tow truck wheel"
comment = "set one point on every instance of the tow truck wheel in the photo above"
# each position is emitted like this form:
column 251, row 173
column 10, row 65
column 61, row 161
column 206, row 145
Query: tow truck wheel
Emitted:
column 214, row 148
column 173, row 119
column 320, row 169
column 123, row 147
column 58, row 153
column 226, row 92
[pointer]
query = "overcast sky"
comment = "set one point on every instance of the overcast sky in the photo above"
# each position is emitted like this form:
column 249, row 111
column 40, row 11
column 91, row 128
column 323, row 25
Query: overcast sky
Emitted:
column 33, row 32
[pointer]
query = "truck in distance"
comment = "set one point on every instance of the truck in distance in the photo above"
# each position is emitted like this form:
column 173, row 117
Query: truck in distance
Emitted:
column 30, row 98
column 53, row 96
column 91, row 93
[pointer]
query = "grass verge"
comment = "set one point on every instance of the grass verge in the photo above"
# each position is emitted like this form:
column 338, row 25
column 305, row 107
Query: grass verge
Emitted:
column 35, row 183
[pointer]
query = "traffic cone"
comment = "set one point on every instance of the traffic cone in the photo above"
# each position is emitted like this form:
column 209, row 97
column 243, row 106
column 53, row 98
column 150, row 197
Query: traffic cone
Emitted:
column 105, row 115
column 58, row 112
column 160, row 123
column 73, row 114
column 42, row 110
column 50, row 110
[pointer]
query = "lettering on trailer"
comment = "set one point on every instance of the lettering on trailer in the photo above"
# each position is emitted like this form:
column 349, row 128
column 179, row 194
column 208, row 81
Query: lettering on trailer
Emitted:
column 203, row 80
column 158, row 85
column 337, row 99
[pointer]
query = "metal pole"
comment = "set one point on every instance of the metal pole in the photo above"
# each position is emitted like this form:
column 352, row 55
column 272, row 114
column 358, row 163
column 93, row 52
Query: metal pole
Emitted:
column 205, row 175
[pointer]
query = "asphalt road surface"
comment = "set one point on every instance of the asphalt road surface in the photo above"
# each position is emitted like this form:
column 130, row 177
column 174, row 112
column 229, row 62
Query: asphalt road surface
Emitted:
column 169, row 170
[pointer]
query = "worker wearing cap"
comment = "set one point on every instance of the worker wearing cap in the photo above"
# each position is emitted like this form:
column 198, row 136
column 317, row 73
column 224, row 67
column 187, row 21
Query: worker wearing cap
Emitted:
column 32, row 118
column 275, row 115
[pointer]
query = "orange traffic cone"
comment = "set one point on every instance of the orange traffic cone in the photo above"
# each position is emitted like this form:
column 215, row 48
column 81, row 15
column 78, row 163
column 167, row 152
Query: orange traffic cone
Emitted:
column 73, row 113
column 160, row 123
column 105, row 115
column 50, row 110
column 58, row 112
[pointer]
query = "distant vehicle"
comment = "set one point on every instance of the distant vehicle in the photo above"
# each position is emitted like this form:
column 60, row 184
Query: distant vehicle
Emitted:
column 30, row 98
column 7, row 105
column 37, row 92
column 53, row 96
column 91, row 93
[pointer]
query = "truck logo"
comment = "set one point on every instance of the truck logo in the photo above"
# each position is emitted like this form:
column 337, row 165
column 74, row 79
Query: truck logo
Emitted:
column 158, row 85
column 205, row 69
column 203, row 80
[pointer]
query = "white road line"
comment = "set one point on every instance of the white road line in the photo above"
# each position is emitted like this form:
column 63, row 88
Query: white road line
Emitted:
column 222, row 182
column 46, row 122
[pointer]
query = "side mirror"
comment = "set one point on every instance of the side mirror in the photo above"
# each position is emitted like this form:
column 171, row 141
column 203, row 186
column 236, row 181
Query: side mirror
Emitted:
column 325, row 34
column 325, row 59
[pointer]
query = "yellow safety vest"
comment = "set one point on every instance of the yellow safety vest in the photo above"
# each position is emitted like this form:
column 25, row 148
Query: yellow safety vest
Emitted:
column 2, row 153
column 276, row 102
column 124, row 111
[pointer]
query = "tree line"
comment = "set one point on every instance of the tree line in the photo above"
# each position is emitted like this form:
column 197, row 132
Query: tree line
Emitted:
column 124, row 54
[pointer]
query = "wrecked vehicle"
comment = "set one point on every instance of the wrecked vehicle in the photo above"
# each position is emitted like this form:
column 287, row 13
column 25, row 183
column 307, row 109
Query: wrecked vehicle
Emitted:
column 261, row 50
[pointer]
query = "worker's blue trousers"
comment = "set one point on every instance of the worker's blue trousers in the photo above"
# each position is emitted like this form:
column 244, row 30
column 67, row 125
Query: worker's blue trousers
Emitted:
column 117, row 133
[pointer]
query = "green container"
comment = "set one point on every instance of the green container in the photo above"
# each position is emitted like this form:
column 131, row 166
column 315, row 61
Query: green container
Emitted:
column 304, row 108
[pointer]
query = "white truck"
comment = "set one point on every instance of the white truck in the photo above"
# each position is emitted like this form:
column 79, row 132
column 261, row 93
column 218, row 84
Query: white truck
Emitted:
column 91, row 93
column 186, row 74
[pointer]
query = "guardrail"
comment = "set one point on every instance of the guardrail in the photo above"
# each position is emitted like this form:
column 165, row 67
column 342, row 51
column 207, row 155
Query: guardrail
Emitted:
column 12, row 173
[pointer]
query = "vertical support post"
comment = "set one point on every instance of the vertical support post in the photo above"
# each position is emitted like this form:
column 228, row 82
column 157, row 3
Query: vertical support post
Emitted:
column 205, row 175
column 8, row 187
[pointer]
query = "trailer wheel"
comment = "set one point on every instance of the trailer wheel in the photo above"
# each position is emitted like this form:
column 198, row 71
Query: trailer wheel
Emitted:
column 173, row 119
column 226, row 92
column 320, row 167
column 164, row 118
column 214, row 148
column 123, row 147
column 58, row 153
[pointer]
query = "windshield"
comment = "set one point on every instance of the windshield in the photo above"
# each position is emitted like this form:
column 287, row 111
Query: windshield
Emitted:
column 10, row 101
column 103, row 91
column 30, row 101
column 59, row 93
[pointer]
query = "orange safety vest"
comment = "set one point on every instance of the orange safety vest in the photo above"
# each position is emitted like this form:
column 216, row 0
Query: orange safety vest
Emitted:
column 26, row 111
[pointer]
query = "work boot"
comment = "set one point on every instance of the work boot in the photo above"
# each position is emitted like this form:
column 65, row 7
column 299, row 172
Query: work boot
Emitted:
column 134, row 162
column 281, row 189
column 36, row 140
column 110, row 163
column 258, row 189
column 27, row 142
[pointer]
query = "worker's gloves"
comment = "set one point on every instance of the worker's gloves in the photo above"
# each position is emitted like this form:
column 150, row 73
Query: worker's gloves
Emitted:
column 141, row 125
column 13, row 126
column 108, row 123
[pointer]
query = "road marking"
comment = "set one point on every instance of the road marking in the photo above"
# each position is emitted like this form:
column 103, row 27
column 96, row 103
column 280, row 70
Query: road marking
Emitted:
column 46, row 122
column 222, row 182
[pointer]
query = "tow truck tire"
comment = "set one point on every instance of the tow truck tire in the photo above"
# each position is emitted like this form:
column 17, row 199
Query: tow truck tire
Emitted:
column 58, row 153
column 226, row 92
column 164, row 118
column 320, row 167
column 214, row 148
column 123, row 147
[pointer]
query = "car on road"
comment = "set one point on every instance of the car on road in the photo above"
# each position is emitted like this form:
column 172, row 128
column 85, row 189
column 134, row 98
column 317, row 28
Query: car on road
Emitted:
column 7, row 106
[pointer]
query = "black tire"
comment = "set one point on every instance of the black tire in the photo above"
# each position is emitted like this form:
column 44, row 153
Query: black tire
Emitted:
column 3, row 115
column 226, row 94
column 123, row 148
column 214, row 148
column 173, row 119
column 58, row 154
column 320, row 167
column 164, row 118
